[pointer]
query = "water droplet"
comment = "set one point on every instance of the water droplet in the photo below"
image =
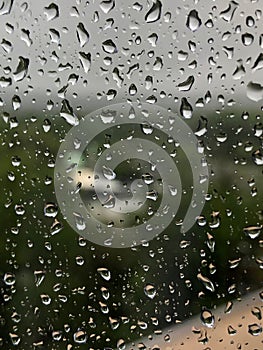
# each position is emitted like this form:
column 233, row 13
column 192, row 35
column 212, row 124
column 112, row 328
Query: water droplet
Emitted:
column 231, row 330
column 254, row 329
column 45, row 298
column 16, row 102
column 132, row 90
column 39, row 277
column 22, row 69
column 82, row 35
column 51, row 11
column 85, row 60
column 147, row 129
column 7, row 46
column 193, row 20
column 228, row 13
column 6, row 7
column 228, row 307
column 152, row 195
column 105, row 273
column 186, row 109
column 257, row 157
column 67, row 113
column 206, row 282
column 80, row 337
column 207, row 318
column 254, row 91
column 234, row 263
column 107, row 5
column 108, row 46
column 257, row 313
column 150, row 291
column 108, row 173
column 25, row 36
column 154, row 14
column 56, row 227
column 15, row 339
column 252, row 231
column 247, row 39
column 258, row 63
column 51, row 210
column 9, row 279
column 239, row 72
column 187, row 84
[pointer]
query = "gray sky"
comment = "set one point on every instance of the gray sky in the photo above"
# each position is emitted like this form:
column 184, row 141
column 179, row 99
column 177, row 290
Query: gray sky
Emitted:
column 47, row 75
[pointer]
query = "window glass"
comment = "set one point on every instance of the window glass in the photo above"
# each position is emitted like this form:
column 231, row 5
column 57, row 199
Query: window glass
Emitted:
column 131, row 174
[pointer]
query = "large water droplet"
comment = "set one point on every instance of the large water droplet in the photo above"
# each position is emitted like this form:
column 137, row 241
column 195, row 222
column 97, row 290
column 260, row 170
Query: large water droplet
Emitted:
column 255, row 329
column 22, row 69
column 252, row 231
column 150, row 291
column 254, row 91
column 207, row 318
column 51, row 11
column 67, row 113
column 193, row 20
column 6, row 7
column 206, row 282
column 82, row 34
column 85, row 60
column 187, row 84
column 186, row 109
column 107, row 5
column 109, row 47
column 154, row 14
column 105, row 273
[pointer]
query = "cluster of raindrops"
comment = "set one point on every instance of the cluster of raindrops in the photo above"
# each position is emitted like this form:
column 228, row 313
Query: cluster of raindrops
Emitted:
column 61, row 60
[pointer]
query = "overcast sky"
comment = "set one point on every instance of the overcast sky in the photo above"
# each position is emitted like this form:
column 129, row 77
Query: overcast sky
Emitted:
column 125, row 25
